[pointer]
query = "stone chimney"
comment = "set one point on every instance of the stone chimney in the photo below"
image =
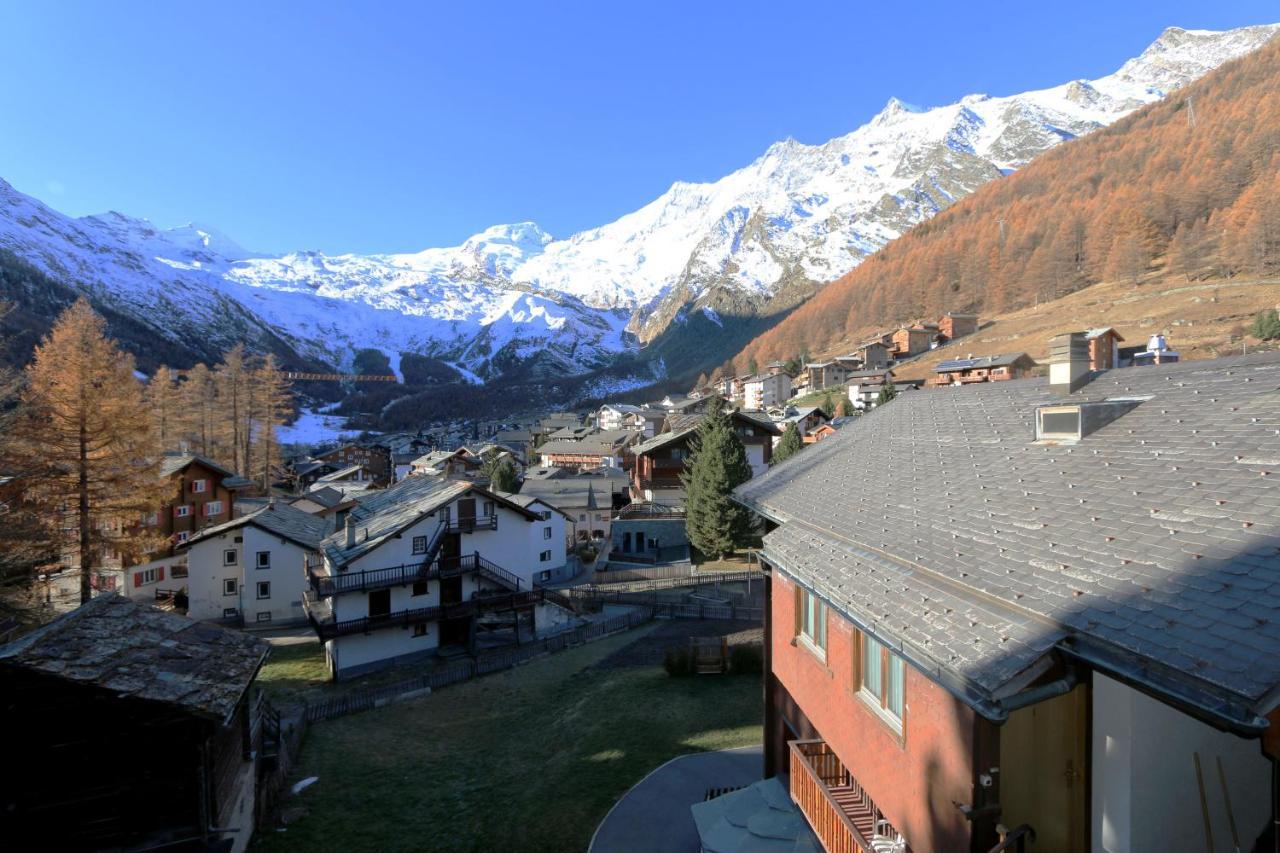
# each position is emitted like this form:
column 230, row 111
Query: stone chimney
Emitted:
column 1068, row 363
column 351, row 532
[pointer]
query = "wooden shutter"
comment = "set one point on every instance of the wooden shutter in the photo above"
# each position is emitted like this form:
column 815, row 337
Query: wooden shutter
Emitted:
column 159, row 574
column 799, row 610
column 137, row 579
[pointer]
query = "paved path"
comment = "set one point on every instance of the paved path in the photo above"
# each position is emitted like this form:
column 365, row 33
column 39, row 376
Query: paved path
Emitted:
column 654, row 817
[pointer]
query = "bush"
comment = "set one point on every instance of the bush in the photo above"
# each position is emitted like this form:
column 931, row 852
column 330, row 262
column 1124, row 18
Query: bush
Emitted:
column 746, row 659
column 677, row 662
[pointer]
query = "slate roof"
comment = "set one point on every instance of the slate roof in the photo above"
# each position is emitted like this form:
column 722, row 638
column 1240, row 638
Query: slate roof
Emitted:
column 983, row 361
column 288, row 522
column 133, row 650
column 172, row 464
column 1151, row 547
column 870, row 374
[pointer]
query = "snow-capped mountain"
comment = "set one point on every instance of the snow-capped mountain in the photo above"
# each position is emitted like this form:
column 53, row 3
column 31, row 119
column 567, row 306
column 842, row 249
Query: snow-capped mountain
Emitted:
column 761, row 238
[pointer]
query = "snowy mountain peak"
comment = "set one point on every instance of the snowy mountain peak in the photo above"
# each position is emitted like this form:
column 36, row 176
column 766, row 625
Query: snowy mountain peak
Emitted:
column 776, row 229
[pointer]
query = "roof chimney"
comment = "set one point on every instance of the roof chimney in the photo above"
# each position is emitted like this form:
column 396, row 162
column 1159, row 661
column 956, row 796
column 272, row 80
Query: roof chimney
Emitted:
column 1068, row 363
column 351, row 532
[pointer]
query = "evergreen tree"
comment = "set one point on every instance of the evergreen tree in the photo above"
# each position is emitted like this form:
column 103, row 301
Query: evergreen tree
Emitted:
column 887, row 392
column 1266, row 326
column 715, row 524
column 85, row 421
column 789, row 446
column 752, row 367
column 828, row 404
column 845, row 409
column 501, row 473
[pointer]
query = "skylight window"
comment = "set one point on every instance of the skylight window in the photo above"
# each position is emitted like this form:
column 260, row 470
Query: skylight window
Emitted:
column 1058, row 423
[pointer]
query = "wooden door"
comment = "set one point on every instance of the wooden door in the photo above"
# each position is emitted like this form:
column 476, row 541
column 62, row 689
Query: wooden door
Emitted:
column 451, row 590
column 379, row 603
column 467, row 509
column 450, row 551
column 1044, row 773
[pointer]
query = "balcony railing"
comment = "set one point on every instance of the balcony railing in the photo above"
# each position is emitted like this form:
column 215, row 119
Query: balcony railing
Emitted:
column 841, row 813
column 471, row 525
column 328, row 628
column 325, row 585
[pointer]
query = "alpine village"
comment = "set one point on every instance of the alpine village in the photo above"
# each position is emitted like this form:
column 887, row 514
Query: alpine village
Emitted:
column 915, row 491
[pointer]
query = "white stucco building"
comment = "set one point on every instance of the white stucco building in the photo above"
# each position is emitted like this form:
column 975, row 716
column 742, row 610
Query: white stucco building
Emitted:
column 254, row 567
column 429, row 563
column 762, row 392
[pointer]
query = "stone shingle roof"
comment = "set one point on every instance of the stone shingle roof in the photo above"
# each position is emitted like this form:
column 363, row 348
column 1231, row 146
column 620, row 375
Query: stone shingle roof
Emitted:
column 132, row 650
column 984, row 361
column 1152, row 545
column 288, row 522
column 173, row 463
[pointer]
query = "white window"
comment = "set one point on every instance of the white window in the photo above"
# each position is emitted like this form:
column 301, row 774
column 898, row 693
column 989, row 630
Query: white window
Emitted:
column 544, row 576
column 264, row 589
column 420, row 629
column 229, row 557
column 811, row 619
column 229, row 586
column 145, row 576
column 183, row 536
column 213, row 508
column 582, row 517
column 228, row 613
column 264, row 616
column 419, row 544
column 264, row 560
column 880, row 677
column 198, row 487
column 546, row 533
column 488, row 508
column 182, row 511
column 544, row 557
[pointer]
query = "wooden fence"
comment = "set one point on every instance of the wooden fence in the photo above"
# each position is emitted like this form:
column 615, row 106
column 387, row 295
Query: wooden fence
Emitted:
column 483, row 663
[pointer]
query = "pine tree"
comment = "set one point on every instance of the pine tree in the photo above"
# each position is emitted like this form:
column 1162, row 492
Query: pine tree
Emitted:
column 273, row 401
column 829, row 404
column 163, row 402
column 715, row 524
column 789, row 446
column 845, row 409
column 887, row 392
column 1266, row 325
column 85, row 420
column 231, row 381
column 501, row 473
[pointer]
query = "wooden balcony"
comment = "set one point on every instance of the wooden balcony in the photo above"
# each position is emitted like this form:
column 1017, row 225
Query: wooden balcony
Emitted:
column 840, row 812
column 471, row 524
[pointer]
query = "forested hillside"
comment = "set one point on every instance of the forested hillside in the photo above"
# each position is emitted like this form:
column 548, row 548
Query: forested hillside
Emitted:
column 1189, row 185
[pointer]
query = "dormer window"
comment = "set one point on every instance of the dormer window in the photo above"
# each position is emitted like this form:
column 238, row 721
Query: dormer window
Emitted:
column 1058, row 423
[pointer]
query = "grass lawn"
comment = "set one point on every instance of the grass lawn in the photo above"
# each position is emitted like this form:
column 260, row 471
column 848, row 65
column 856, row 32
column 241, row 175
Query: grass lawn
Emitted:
column 528, row 760
column 294, row 672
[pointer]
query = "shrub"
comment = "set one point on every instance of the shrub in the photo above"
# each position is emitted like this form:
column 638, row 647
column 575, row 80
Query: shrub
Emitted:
column 677, row 662
column 745, row 659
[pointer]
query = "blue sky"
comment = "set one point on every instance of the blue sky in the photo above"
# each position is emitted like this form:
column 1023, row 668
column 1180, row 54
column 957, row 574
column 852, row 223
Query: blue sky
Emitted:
column 395, row 127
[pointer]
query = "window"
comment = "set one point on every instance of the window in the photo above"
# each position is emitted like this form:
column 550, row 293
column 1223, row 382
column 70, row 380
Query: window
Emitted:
column 1058, row 422
column 811, row 619
column 182, row 536
column 544, row 557
column 419, row 588
column 229, row 613
column 229, row 586
column 544, row 576
column 420, row 629
column 263, row 560
column 153, row 519
column 182, row 511
column 880, row 675
column 487, row 508
column 544, row 515
column 213, row 508
column 198, row 486
column 582, row 517
column 419, row 544
column 144, row 577
column 180, row 571
column 229, row 557
column 264, row 616
column 546, row 533
column 264, row 589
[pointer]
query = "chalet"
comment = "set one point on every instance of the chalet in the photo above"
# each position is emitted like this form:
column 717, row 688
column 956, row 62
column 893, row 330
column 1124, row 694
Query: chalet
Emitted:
column 872, row 355
column 356, row 473
column 252, row 570
column 449, row 464
column 610, row 416
column 817, row 376
column 304, row 472
column 953, row 325
column 588, row 498
column 1104, row 348
column 593, row 450
column 324, row 501
column 986, row 368
column 375, row 458
column 557, row 421
column 133, row 729
column 806, row 418
column 865, row 386
column 766, row 390
column 661, row 460
column 913, row 340
column 646, row 421
column 427, row 564
column 1064, row 610
column 203, row 494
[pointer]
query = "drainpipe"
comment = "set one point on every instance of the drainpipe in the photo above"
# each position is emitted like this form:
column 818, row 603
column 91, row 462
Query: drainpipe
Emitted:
column 1032, row 695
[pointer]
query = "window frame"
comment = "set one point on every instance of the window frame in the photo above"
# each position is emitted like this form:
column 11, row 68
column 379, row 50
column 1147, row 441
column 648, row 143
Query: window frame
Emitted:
column 258, row 590
column 811, row 621
column 200, row 486
column 230, row 586
column 213, row 508
column 230, row 557
column 182, row 511
column 879, row 700
column 257, row 560
column 414, row 589
column 546, row 533
column 544, row 556
column 419, row 545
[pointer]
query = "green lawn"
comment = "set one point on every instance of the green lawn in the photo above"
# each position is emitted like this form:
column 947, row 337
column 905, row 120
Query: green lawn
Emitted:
column 527, row 760
column 294, row 672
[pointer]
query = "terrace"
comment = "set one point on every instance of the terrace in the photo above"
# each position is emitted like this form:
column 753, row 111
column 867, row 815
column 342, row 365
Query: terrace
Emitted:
column 841, row 813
